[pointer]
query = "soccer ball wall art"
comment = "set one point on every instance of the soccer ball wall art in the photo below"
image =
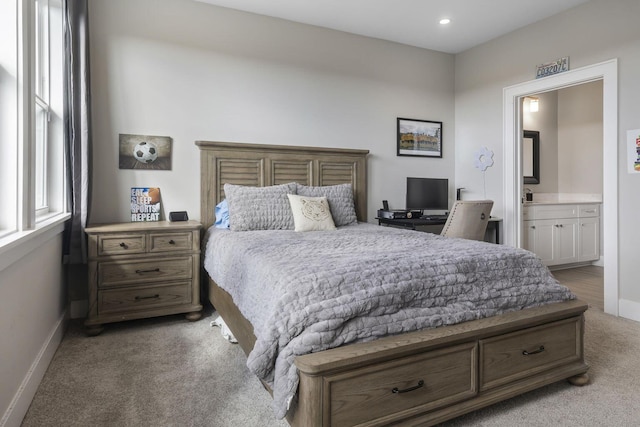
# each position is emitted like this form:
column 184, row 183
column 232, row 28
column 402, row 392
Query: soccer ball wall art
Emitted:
column 144, row 152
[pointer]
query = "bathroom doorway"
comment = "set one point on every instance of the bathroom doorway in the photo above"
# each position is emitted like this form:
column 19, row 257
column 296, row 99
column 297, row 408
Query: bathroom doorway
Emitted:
column 513, row 127
column 567, row 129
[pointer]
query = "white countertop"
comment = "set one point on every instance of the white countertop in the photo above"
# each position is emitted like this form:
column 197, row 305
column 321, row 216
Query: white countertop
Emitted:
column 563, row 198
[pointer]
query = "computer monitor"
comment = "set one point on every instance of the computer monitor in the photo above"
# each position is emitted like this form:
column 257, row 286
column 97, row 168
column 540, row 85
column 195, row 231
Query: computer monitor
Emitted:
column 427, row 194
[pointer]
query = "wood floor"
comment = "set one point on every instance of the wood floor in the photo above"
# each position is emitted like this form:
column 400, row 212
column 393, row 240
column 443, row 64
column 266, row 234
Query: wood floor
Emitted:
column 586, row 282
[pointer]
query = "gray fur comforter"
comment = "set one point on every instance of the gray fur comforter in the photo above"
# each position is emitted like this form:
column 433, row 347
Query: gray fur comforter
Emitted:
column 306, row 292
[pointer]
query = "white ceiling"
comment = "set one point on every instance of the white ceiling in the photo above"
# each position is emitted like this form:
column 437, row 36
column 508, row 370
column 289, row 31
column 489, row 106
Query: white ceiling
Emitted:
column 412, row 22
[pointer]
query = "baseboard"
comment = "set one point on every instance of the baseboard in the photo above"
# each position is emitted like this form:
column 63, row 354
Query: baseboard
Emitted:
column 24, row 395
column 599, row 262
column 573, row 265
column 629, row 309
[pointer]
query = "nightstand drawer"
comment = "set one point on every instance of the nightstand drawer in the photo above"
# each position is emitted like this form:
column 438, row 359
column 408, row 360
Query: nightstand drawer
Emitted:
column 170, row 242
column 524, row 353
column 114, row 244
column 143, row 298
column 120, row 273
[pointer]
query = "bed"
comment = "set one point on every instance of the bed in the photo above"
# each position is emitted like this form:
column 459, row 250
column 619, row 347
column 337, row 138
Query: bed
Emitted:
column 421, row 377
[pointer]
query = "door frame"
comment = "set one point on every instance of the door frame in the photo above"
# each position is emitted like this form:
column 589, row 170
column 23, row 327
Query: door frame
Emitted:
column 512, row 168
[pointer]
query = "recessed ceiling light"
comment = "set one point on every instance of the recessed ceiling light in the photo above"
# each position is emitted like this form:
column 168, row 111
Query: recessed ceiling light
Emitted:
column 445, row 21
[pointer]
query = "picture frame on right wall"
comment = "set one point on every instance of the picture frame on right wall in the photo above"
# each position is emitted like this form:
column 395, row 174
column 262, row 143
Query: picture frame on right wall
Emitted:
column 419, row 138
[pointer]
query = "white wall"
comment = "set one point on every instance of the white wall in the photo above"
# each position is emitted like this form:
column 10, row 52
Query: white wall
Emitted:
column 580, row 139
column 32, row 308
column 591, row 33
column 194, row 71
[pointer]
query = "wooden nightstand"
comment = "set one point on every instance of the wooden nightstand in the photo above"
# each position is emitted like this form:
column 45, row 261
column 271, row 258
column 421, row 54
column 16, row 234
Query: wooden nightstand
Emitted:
column 143, row 269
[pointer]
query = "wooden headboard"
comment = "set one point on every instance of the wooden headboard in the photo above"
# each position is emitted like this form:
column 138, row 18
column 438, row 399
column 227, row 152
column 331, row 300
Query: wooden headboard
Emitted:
column 263, row 165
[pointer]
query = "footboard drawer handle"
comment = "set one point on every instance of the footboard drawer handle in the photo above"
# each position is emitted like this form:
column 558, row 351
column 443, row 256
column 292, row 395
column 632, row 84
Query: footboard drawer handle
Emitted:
column 396, row 390
column 138, row 298
column 529, row 353
column 154, row 270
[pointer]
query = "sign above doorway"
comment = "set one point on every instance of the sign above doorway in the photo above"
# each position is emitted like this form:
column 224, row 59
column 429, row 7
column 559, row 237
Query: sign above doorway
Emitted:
column 558, row 66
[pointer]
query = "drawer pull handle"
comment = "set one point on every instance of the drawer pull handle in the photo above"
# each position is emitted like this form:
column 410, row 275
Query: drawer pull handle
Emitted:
column 138, row 298
column 396, row 390
column 123, row 245
column 529, row 353
column 155, row 270
column 171, row 242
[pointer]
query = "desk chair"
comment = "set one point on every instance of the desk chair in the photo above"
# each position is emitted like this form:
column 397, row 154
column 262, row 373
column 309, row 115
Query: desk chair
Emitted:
column 468, row 219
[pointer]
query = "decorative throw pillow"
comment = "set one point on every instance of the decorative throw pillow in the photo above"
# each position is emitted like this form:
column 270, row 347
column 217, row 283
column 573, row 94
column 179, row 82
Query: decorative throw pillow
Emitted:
column 311, row 213
column 259, row 208
column 340, row 198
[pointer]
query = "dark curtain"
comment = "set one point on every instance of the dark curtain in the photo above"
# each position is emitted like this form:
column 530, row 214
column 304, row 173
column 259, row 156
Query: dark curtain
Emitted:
column 77, row 122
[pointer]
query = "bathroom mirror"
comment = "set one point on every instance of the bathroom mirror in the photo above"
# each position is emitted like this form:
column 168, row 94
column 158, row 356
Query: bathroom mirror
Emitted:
column 531, row 157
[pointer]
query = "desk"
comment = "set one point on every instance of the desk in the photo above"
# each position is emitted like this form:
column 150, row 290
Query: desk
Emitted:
column 436, row 225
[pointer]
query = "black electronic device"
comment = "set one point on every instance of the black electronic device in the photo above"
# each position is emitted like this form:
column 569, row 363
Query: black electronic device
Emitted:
column 178, row 216
column 427, row 194
column 398, row 214
column 385, row 205
column 387, row 214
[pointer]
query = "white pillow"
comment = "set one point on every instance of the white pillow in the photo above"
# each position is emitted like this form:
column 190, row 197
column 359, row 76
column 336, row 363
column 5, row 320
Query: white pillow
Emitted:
column 311, row 213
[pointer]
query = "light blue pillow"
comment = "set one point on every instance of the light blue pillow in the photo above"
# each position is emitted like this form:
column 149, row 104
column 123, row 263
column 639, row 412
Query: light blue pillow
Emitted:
column 222, row 215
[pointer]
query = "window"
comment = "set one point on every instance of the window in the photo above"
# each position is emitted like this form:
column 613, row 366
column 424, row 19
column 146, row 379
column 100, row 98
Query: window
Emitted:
column 32, row 176
column 42, row 109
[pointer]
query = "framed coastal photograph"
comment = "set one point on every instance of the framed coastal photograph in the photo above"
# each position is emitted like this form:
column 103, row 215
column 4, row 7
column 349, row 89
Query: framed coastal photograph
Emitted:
column 144, row 152
column 421, row 138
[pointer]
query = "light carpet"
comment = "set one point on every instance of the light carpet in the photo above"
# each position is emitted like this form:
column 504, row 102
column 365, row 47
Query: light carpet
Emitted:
column 170, row 372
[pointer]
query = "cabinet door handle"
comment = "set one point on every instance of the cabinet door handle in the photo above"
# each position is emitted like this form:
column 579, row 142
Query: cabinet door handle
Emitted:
column 395, row 390
column 123, row 245
column 155, row 270
column 171, row 242
column 138, row 298
column 533, row 226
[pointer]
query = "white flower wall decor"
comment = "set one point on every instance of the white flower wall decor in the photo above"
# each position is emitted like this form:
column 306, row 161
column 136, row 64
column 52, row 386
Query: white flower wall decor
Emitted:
column 483, row 159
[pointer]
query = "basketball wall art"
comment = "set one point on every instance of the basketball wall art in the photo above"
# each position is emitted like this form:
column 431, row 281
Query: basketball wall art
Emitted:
column 145, row 152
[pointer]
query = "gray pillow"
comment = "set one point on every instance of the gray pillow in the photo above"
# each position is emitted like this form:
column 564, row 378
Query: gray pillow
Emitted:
column 340, row 199
column 259, row 208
